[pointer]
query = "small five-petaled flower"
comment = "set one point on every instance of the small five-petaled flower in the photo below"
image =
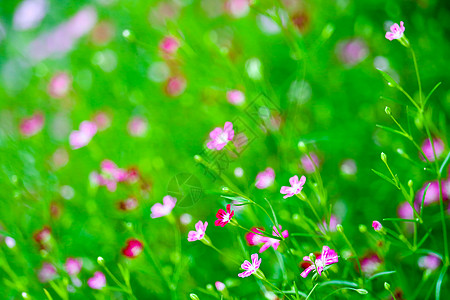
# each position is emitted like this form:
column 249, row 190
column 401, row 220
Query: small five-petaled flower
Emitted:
column 327, row 257
column 219, row 137
column 223, row 217
column 250, row 267
column 199, row 232
column 295, row 188
column 396, row 32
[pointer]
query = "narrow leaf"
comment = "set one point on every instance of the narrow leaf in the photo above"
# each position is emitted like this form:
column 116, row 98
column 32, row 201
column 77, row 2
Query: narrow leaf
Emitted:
column 400, row 220
column 340, row 282
column 384, row 177
column 444, row 163
column 391, row 130
column 439, row 282
column 391, row 82
column 431, row 93
column 423, row 198
column 424, row 238
column 381, row 274
column 49, row 297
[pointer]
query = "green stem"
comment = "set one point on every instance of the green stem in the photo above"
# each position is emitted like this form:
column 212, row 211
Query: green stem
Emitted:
column 444, row 227
column 417, row 74
column 353, row 251
column 312, row 290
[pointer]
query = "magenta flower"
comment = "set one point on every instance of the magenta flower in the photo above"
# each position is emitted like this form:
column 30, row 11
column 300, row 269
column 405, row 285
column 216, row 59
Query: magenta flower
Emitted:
column 82, row 137
column 46, row 273
column 102, row 120
column 309, row 165
column 73, row 266
column 128, row 204
column 109, row 176
column 169, row 45
column 235, row 97
column 59, row 85
column 161, row 210
column 430, row 262
column 326, row 258
column 32, row 125
column 352, row 52
column 427, row 148
column 220, row 137
column 271, row 242
column 223, row 217
column 98, row 281
column 396, row 32
column 432, row 195
column 137, row 126
column 133, row 248
column 199, row 232
column 250, row 267
column 265, row 178
column 377, row 226
column 295, row 188
column 255, row 237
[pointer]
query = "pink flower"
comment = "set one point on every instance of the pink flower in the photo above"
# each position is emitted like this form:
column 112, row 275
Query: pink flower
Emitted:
column 133, row 248
column 224, row 217
column 137, row 126
column 110, row 175
column 32, row 125
column 220, row 137
column 161, row 210
column 348, row 167
column 265, row 178
column 42, row 237
column 220, row 286
column 405, row 211
column 238, row 8
column 427, row 148
column 29, row 14
column 271, row 242
column 98, row 281
column 255, row 237
column 326, row 258
column 46, row 273
column 295, row 188
column 396, row 32
column 82, row 137
column 250, row 267
column 235, row 97
column 73, row 266
column 430, row 262
column 370, row 264
column 169, row 45
column 432, row 195
column 324, row 227
column 199, row 233
column 175, row 86
column 128, row 204
column 308, row 165
column 377, row 226
column 352, row 52
column 59, row 85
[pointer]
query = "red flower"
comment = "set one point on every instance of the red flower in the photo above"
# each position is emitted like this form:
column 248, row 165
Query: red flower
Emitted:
column 133, row 248
column 42, row 237
column 224, row 217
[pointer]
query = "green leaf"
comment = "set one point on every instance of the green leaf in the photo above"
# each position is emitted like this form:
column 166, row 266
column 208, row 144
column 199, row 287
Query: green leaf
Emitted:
column 424, row 238
column 444, row 163
column 431, row 93
column 307, row 235
column 391, row 130
column 296, row 292
column 391, row 82
column 49, row 297
column 338, row 282
column 381, row 274
column 385, row 177
column 394, row 100
column 439, row 282
column 273, row 213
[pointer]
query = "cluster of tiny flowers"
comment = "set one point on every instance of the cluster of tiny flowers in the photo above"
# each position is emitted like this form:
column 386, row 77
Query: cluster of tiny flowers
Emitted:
column 326, row 258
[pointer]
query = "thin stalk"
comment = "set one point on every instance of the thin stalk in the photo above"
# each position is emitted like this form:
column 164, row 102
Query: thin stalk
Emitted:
column 353, row 250
column 417, row 74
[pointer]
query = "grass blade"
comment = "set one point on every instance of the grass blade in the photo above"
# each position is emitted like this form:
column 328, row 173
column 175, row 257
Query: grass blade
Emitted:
column 385, row 177
column 431, row 93
column 391, row 130
column 423, row 199
column 439, row 282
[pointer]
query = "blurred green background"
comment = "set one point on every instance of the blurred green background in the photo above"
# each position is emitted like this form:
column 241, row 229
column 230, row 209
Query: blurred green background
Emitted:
column 320, row 93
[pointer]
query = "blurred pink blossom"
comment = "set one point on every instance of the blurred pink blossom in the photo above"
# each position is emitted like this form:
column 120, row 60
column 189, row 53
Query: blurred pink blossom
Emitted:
column 46, row 273
column 235, row 97
column 98, row 281
column 175, row 86
column 29, row 14
column 265, row 178
column 73, row 266
column 161, row 210
column 219, row 137
column 324, row 227
column 32, row 125
column 102, row 120
column 82, row 137
column 199, row 232
column 238, row 8
column 137, row 126
column 109, row 176
column 220, row 286
column 405, row 211
column 370, row 264
column 428, row 149
column 396, row 32
column 430, row 262
column 169, row 45
column 128, row 204
column 295, row 188
column 133, row 248
column 352, row 52
column 250, row 267
column 59, row 85
column 308, row 165
column 60, row 158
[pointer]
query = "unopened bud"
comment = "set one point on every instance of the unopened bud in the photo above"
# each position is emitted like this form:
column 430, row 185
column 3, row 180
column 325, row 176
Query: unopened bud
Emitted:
column 387, row 110
column 410, row 183
column 128, row 35
column 362, row 291
column 312, row 257
column 194, row 296
column 387, row 286
column 362, row 228
column 339, row 228
column 383, row 157
column 302, row 147
column 100, row 260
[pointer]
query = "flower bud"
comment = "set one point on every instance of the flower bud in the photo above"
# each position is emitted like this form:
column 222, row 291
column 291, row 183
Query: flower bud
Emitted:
column 387, row 110
column 100, row 261
column 362, row 228
column 410, row 183
column 387, row 286
column 194, row 296
column 312, row 257
column 129, row 35
column 339, row 228
column 259, row 274
column 383, row 157
column 302, row 147
column 362, row 291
